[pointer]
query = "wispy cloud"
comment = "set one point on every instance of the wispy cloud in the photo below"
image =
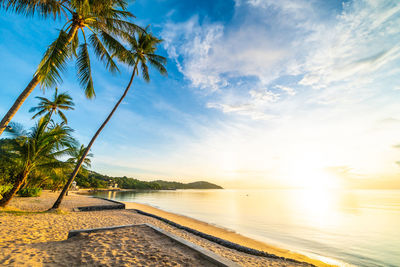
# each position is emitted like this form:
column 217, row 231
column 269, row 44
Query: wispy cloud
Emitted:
column 306, row 79
column 363, row 42
column 288, row 90
column 346, row 55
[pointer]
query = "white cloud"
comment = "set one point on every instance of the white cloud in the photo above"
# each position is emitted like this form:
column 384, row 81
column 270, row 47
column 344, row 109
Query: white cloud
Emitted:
column 361, row 44
column 246, row 109
column 190, row 45
column 314, row 86
column 348, row 56
column 229, row 61
column 288, row 90
column 212, row 57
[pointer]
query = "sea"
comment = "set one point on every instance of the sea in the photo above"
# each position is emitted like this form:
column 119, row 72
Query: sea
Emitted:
column 347, row 228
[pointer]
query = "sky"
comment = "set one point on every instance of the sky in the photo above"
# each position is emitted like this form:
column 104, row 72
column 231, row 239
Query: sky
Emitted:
column 259, row 93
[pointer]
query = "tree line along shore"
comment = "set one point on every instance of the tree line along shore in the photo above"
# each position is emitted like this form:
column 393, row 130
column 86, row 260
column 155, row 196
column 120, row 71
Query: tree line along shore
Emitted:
column 100, row 181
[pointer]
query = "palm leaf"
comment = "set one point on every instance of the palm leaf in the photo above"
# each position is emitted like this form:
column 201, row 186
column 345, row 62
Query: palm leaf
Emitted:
column 145, row 71
column 63, row 117
column 102, row 53
column 114, row 46
column 15, row 129
column 158, row 65
column 74, row 45
column 54, row 61
column 84, row 70
column 44, row 8
column 40, row 113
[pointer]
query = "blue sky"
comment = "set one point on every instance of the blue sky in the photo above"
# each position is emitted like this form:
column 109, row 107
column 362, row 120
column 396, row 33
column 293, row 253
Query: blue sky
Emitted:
column 259, row 93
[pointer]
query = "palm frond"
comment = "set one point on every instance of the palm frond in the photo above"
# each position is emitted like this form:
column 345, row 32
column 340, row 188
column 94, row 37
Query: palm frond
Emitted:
column 84, row 70
column 44, row 8
column 62, row 116
column 158, row 65
column 102, row 53
column 55, row 164
column 15, row 129
column 74, row 45
column 162, row 60
column 142, row 50
column 145, row 71
column 117, row 26
column 82, row 7
column 114, row 46
column 54, row 61
column 40, row 113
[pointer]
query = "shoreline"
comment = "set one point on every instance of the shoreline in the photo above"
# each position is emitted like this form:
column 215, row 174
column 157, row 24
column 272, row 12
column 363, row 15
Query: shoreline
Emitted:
column 224, row 233
column 29, row 235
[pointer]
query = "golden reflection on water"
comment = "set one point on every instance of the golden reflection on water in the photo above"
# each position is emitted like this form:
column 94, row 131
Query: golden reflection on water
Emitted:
column 111, row 194
column 318, row 221
column 317, row 207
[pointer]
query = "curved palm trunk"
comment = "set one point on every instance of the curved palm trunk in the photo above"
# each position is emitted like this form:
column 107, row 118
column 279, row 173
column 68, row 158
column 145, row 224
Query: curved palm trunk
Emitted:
column 10, row 194
column 79, row 164
column 18, row 103
column 28, row 90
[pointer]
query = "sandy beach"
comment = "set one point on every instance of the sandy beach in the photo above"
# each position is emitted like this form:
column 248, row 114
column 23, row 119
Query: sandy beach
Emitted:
column 30, row 237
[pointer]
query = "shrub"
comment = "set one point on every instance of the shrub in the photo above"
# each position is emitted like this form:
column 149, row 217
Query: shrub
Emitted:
column 30, row 192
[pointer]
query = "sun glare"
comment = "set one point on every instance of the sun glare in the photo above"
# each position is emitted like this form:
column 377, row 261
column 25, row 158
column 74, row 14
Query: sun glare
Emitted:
column 310, row 173
column 316, row 179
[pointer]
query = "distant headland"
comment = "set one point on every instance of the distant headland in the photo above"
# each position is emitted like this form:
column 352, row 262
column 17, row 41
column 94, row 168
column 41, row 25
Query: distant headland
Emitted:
column 97, row 180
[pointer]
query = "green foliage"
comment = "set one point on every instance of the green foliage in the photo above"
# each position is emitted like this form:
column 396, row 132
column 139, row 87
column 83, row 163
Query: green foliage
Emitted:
column 84, row 70
column 194, row 185
column 123, row 182
column 8, row 168
column 37, row 153
column 75, row 153
column 88, row 181
column 30, row 192
column 131, row 183
column 55, row 106
column 4, row 188
column 32, row 157
column 142, row 49
column 42, row 8
column 100, row 18
column 54, row 61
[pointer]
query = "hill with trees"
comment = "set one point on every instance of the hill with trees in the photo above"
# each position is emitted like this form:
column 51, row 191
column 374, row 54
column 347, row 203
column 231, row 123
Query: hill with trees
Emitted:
column 194, row 185
column 97, row 180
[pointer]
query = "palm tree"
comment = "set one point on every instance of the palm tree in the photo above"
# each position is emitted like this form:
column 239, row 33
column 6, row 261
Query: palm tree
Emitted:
column 103, row 20
column 37, row 149
column 142, row 50
column 76, row 154
column 47, row 107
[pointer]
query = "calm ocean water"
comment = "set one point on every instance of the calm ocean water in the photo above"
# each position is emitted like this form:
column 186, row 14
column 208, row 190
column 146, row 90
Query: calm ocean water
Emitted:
column 358, row 227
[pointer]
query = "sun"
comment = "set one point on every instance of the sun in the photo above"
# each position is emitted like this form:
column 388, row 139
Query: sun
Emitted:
column 316, row 179
column 310, row 173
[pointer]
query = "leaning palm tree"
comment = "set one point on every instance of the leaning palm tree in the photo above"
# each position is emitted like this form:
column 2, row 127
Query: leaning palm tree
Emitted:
column 37, row 149
column 55, row 106
column 141, row 51
column 101, row 23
